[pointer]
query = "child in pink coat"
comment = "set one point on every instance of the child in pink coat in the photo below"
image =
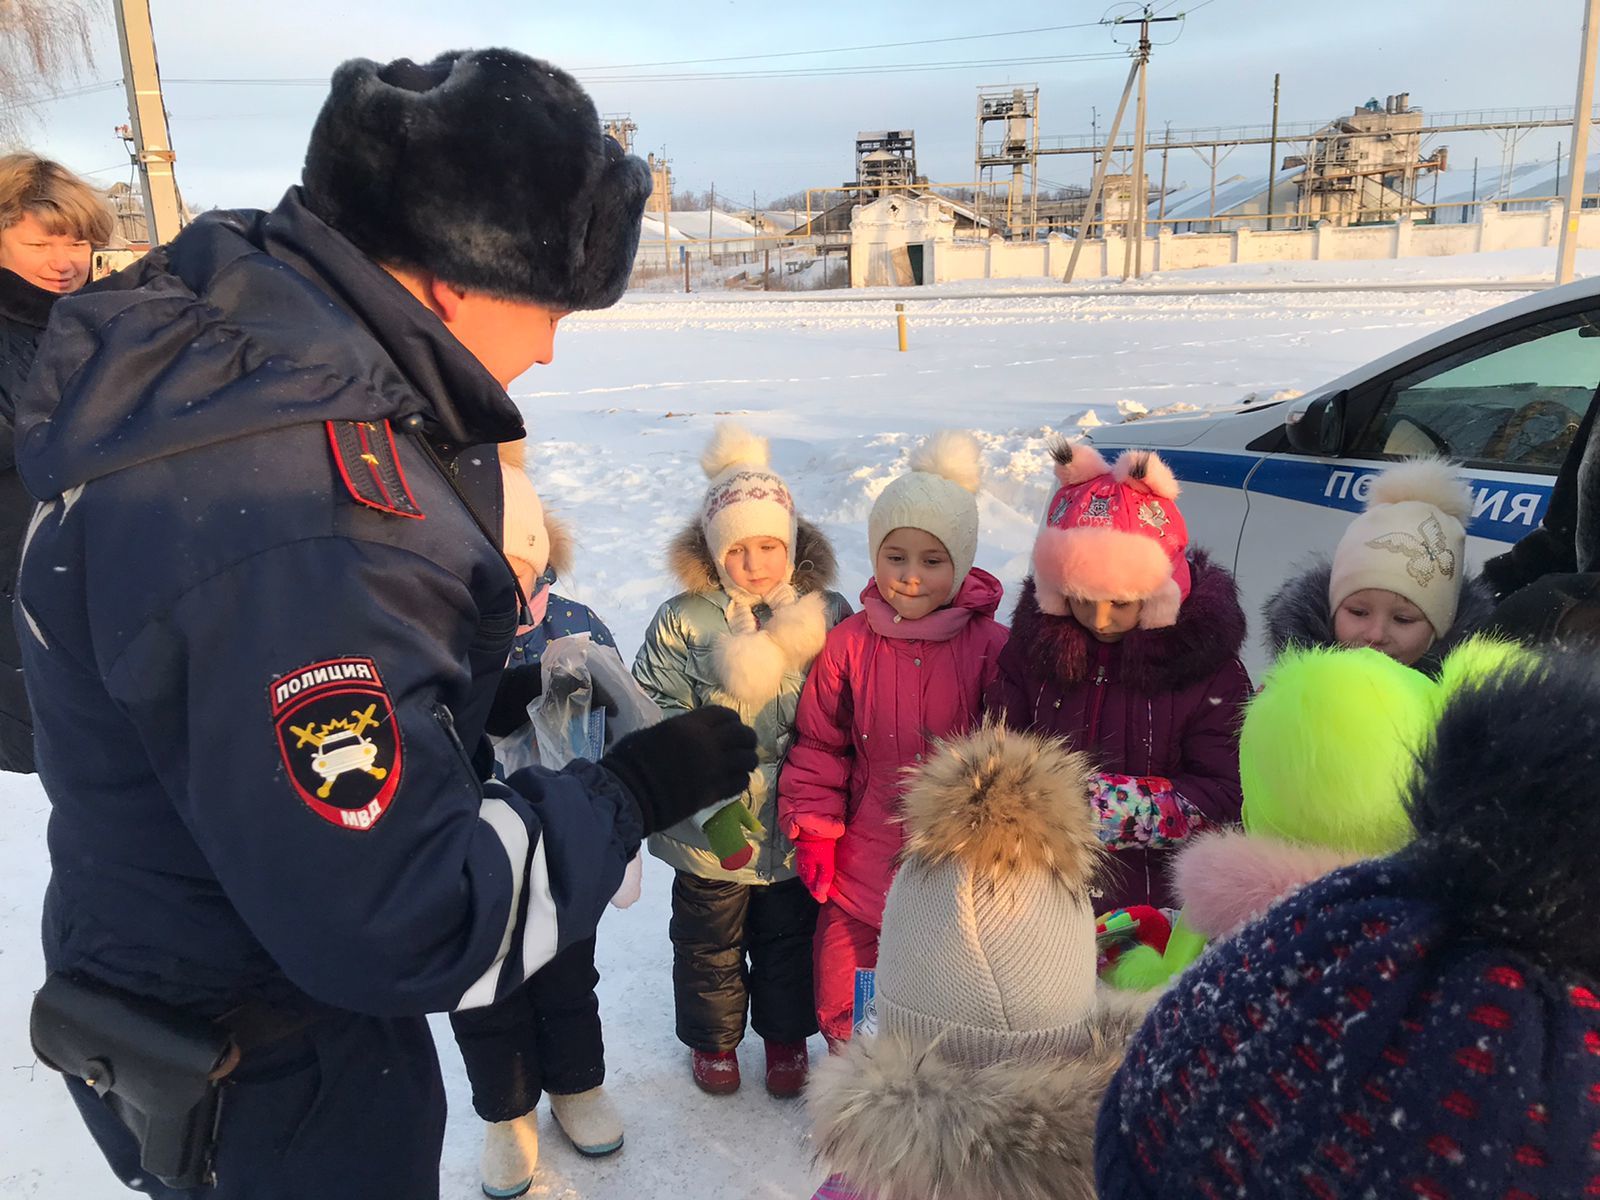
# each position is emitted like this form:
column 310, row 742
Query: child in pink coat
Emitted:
column 910, row 667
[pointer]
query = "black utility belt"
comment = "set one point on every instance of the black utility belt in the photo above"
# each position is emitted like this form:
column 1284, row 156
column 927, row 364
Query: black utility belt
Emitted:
column 159, row 1069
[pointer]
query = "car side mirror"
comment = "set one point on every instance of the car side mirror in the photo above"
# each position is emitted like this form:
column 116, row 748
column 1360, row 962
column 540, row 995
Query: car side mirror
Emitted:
column 1320, row 427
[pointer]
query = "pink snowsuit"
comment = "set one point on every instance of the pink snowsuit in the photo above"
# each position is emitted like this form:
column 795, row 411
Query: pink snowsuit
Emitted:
column 881, row 690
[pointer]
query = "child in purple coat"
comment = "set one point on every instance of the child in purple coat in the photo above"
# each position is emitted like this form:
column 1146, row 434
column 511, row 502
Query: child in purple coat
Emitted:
column 1127, row 646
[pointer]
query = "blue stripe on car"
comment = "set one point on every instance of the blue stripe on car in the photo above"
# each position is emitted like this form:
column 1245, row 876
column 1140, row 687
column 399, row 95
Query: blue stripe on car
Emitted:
column 1503, row 510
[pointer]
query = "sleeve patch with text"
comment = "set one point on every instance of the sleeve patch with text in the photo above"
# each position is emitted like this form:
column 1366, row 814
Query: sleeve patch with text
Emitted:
column 338, row 739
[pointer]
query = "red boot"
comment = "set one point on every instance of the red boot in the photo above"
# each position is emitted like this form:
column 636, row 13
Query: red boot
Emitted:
column 788, row 1064
column 716, row 1071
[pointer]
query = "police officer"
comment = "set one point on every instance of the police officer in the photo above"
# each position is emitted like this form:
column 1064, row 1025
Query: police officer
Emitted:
column 263, row 614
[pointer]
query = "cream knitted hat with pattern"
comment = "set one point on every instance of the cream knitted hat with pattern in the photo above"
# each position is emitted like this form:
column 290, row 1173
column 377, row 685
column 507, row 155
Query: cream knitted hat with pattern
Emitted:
column 1411, row 540
column 988, row 940
column 746, row 497
column 937, row 495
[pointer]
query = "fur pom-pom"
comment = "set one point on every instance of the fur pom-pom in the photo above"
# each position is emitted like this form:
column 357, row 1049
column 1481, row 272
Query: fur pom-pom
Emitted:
column 750, row 666
column 951, row 454
column 1227, row 880
column 1147, row 470
column 1328, row 747
column 1478, row 658
column 732, row 445
column 1432, row 481
column 1077, row 462
column 1004, row 802
column 1502, row 804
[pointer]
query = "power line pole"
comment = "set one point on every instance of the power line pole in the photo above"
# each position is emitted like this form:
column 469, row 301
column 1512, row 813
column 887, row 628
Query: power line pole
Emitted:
column 1582, row 116
column 1100, row 177
column 1133, row 248
column 1137, row 210
column 152, row 141
column 1272, row 153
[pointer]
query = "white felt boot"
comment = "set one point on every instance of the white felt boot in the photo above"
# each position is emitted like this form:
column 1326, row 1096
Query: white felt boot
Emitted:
column 510, row 1154
column 590, row 1120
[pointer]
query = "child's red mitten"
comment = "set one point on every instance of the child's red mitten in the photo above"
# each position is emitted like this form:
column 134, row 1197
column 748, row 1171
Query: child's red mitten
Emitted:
column 813, row 863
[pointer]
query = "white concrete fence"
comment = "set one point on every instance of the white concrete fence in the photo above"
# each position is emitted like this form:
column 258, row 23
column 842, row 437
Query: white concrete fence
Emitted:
column 946, row 261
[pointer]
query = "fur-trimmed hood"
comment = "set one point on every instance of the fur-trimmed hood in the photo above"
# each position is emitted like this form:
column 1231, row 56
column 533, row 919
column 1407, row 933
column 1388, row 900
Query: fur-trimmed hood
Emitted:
column 1226, row 880
column 689, row 558
column 1208, row 633
column 901, row 1123
column 1299, row 614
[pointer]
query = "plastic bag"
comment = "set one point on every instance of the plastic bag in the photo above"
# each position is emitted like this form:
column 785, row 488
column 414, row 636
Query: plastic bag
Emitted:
column 569, row 724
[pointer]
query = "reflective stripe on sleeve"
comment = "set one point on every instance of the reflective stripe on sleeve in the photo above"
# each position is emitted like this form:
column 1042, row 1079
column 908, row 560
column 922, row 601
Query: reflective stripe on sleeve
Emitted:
column 513, row 835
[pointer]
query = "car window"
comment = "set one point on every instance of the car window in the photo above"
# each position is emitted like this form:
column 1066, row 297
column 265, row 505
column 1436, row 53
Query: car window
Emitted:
column 1516, row 399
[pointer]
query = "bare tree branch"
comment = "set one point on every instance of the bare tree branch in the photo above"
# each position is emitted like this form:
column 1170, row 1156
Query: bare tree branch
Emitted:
column 43, row 43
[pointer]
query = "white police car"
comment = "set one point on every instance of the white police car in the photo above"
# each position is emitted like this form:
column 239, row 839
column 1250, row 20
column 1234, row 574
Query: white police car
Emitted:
column 1502, row 392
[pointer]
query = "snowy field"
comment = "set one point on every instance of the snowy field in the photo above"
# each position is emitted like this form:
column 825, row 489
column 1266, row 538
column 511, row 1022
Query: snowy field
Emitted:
column 617, row 421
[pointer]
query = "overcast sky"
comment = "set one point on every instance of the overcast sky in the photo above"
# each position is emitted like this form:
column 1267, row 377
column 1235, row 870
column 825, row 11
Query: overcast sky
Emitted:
column 241, row 144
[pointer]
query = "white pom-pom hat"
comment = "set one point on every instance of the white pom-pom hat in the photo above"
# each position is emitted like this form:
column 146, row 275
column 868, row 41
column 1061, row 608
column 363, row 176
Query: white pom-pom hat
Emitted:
column 1411, row 540
column 938, row 496
column 746, row 498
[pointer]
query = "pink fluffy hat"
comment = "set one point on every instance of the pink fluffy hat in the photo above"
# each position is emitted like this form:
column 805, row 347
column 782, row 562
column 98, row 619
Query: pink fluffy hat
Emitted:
column 1113, row 533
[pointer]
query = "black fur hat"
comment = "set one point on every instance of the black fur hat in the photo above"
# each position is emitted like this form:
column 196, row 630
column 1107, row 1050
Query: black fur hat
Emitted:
column 487, row 168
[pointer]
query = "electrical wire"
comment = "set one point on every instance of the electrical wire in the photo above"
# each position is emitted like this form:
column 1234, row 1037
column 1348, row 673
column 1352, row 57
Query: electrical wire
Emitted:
column 864, row 69
column 796, row 72
column 967, row 37
column 70, row 93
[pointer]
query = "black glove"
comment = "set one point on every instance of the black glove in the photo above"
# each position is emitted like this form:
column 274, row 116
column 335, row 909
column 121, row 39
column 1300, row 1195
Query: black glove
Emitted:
column 519, row 687
column 678, row 767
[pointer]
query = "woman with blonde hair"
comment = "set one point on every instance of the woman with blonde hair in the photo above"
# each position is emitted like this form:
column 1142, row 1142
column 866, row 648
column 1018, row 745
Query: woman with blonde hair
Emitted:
column 50, row 222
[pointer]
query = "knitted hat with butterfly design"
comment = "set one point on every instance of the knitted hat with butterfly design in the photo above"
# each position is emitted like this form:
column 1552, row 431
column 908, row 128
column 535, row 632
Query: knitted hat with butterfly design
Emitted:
column 1411, row 540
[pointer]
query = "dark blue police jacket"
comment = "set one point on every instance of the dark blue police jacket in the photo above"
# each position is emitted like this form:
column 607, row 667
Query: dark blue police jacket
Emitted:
column 261, row 628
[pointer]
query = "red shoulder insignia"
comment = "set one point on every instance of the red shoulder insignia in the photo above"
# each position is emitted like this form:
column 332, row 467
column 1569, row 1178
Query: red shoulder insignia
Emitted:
column 369, row 464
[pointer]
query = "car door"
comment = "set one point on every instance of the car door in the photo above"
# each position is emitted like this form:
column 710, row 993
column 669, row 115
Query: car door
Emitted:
column 1505, row 402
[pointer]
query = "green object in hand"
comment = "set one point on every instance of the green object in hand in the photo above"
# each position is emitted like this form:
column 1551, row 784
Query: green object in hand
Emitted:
column 726, row 830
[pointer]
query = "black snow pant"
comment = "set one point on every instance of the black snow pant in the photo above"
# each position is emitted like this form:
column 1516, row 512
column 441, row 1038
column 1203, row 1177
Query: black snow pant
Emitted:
column 545, row 1036
column 739, row 948
column 350, row 1106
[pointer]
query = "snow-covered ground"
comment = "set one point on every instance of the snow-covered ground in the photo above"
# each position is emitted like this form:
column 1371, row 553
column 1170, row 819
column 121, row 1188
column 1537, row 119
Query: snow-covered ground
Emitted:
column 617, row 421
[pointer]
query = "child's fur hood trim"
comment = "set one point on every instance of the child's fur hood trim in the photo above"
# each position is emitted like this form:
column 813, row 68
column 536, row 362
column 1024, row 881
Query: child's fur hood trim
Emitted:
column 1004, row 802
column 902, row 1123
column 1298, row 614
column 689, row 559
column 562, row 544
column 751, row 667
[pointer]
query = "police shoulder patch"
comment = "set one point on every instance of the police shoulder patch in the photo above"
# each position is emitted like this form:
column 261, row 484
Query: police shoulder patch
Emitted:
column 339, row 740
column 365, row 455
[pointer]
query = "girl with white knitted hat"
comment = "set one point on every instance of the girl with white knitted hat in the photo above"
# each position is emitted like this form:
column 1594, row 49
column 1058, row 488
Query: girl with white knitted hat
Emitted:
column 752, row 614
column 910, row 667
column 994, row 1043
column 1398, row 579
